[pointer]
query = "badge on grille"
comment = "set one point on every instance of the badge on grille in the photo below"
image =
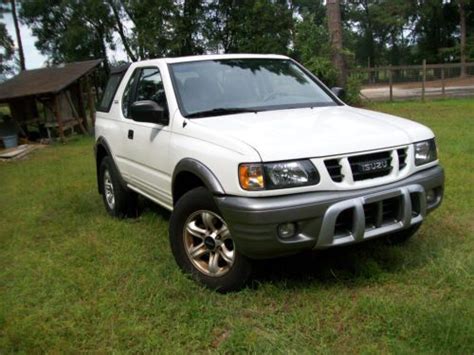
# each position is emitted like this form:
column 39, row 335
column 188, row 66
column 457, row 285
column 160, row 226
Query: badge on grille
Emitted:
column 374, row 165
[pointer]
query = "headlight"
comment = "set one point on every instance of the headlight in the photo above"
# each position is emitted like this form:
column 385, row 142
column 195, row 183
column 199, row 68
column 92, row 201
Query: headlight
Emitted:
column 277, row 175
column 425, row 152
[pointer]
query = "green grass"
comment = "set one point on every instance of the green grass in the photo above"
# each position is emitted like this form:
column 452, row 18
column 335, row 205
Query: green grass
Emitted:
column 74, row 279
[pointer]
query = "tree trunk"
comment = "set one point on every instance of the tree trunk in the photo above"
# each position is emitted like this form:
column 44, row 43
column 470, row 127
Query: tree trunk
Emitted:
column 462, row 18
column 18, row 36
column 335, row 33
column 121, row 32
column 103, row 48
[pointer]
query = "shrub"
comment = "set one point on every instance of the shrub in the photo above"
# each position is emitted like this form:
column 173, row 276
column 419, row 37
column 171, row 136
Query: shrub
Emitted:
column 353, row 87
column 323, row 69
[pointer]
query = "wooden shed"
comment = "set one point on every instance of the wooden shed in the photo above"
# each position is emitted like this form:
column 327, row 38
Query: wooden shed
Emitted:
column 53, row 98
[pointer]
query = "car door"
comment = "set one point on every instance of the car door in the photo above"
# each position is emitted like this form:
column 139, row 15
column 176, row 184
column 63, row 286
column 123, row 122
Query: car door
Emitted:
column 145, row 162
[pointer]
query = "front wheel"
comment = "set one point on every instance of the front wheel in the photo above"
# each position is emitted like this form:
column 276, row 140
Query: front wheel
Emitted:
column 203, row 246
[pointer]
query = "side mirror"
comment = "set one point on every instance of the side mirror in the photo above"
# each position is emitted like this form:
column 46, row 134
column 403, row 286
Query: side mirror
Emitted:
column 339, row 92
column 149, row 111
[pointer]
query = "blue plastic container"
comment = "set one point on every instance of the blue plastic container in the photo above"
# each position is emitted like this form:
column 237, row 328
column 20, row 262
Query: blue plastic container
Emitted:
column 10, row 141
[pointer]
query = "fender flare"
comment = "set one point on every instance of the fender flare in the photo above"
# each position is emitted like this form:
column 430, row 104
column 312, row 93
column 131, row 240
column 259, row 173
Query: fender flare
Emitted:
column 101, row 141
column 201, row 171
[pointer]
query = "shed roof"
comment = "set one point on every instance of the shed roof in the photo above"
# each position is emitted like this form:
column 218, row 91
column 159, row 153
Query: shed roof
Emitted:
column 45, row 80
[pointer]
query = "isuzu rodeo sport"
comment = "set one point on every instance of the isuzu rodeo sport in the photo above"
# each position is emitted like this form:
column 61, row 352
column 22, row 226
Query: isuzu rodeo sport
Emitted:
column 256, row 158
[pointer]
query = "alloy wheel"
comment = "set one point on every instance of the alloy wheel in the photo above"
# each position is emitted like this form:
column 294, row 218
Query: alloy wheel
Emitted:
column 109, row 190
column 208, row 243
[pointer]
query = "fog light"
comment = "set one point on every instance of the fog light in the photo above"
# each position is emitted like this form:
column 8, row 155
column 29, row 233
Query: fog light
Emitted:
column 286, row 230
column 430, row 196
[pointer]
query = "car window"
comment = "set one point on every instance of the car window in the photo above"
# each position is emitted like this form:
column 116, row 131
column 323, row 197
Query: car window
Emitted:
column 109, row 93
column 210, row 86
column 150, row 87
column 127, row 95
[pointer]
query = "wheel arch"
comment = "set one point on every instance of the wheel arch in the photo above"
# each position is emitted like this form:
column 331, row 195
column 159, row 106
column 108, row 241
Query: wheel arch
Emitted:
column 102, row 150
column 191, row 173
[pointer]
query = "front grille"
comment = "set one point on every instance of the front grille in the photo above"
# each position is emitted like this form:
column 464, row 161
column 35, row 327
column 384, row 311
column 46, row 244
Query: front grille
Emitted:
column 334, row 169
column 344, row 222
column 367, row 166
column 415, row 205
column 391, row 210
column 365, row 217
column 360, row 162
column 376, row 214
column 402, row 158
column 372, row 212
column 383, row 212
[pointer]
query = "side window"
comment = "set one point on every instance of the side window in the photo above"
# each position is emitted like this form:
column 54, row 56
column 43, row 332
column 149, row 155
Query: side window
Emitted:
column 109, row 92
column 150, row 87
column 127, row 95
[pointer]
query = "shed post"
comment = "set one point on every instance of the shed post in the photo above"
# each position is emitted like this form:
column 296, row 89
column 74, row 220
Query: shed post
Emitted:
column 57, row 114
column 90, row 101
column 75, row 113
column 82, row 108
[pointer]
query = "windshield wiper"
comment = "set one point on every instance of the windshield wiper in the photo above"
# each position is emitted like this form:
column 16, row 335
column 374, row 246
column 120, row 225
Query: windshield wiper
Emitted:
column 220, row 111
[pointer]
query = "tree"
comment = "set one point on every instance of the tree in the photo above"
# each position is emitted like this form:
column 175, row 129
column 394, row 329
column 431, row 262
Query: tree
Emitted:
column 462, row 26
column 311, row 39
column 434, row 31
column 188, row 25
column 70, row 30
column 153, row 26
column 249, row 26
column 327, row 36
column 335, row 38
column 6, row 51
column 119, row 14
column 18, row 35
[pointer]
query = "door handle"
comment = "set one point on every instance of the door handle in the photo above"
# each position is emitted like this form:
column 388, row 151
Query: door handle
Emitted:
column 130, row 134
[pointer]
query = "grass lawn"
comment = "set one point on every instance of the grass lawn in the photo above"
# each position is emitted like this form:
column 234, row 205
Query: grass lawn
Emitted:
column 74, row 279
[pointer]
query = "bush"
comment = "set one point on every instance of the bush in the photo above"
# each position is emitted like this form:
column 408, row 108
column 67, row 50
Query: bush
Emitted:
column 323, row 69
column 353, row 87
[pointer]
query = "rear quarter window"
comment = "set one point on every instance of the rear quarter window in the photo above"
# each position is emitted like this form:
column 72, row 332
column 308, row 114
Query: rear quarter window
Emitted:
column 109, row 92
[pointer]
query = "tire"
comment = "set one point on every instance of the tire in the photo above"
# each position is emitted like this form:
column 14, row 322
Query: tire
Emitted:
column 196, row 227
column 403, row 236
column 119, row 201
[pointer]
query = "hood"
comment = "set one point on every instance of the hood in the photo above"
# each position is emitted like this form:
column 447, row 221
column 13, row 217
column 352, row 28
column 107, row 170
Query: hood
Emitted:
column 318, row 132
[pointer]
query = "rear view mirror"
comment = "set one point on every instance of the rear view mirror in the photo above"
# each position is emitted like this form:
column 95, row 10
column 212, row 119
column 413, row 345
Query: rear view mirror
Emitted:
column 149, row 111
column 339, row 92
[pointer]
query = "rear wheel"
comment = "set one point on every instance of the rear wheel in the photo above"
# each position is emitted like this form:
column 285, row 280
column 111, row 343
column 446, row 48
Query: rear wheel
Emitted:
column 119, row 201
column 203, row 246
column 404, row 235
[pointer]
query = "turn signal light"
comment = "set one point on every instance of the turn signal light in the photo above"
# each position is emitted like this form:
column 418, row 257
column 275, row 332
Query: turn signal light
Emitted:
column 251, row 177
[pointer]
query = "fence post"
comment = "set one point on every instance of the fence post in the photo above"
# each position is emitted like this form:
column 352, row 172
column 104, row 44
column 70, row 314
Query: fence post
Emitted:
column 390, row 80
column 423, row 81
column 443, row 84
column 369, row 74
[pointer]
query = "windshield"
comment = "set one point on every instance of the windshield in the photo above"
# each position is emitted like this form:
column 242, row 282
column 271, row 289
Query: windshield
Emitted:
column 217, row 87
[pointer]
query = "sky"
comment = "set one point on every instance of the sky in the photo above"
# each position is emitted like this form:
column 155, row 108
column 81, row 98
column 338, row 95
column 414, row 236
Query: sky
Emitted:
column 33, row 58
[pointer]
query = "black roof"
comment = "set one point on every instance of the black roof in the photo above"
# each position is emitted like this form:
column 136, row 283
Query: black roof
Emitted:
column 45, row 80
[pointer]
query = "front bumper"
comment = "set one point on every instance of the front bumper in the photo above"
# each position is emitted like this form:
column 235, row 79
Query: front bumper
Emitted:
column 326, row 219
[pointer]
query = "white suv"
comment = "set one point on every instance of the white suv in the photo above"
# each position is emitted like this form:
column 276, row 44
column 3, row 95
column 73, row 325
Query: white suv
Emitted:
column 257, row 159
